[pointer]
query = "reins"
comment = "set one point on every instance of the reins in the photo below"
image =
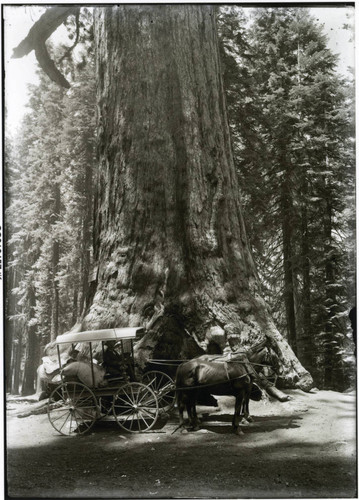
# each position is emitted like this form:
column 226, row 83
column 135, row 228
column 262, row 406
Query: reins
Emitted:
column 174, row 362
column 186, row 388
column 177, row 362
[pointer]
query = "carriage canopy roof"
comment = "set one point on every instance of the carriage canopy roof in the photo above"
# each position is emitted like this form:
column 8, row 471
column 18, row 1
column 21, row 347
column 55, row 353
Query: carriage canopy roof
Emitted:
column 101, row 335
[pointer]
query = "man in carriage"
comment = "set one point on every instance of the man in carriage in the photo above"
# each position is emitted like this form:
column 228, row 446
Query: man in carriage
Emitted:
column 117, row 360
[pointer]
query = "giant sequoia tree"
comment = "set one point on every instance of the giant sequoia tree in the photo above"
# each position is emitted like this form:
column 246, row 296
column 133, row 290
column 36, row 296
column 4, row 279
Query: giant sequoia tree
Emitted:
column 169, row 233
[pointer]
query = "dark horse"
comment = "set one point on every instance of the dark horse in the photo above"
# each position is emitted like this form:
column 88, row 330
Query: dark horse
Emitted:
column 232, row 375
column 221, row 379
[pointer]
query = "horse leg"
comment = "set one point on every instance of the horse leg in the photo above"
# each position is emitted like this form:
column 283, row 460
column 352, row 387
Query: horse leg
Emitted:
column 195, row 417
column 247, row 393
column 181, row 406
column 246, row 415
column 191, row 410
column 237, row 410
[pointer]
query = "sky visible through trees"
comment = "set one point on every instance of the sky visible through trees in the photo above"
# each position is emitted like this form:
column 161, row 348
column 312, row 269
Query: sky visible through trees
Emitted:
column 18, row 73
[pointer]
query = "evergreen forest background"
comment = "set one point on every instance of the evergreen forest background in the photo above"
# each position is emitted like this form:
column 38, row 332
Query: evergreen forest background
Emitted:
column 292, row 122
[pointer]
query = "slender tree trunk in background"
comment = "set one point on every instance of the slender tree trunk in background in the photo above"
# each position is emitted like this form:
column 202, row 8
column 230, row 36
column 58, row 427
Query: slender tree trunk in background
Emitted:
column 16, row 353
column 9, row 337
column 32, row 350
column 306, row 355
column 333, row 371
column 288, row 256
column 55, row 297
column 10, row 373
column 169, row 232
column 75, row 306
column 304, row 331
column 16, row 366
column 9, row 341
column 329, row 275
column 87, row 227
column 10, row 281
column 55, row 264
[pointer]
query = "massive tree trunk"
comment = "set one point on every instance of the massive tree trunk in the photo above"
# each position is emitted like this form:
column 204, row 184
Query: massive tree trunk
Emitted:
column 169, row 233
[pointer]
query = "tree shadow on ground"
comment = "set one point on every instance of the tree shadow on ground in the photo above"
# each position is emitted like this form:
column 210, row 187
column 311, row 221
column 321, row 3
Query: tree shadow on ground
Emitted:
column 222, row 424
column 208, row 465
column 103, row 425
column 214, row 463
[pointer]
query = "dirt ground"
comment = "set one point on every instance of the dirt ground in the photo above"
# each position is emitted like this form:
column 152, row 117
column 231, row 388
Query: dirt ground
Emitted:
column 305, row 447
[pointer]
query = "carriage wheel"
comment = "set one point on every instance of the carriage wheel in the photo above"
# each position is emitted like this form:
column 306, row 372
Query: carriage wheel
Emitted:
column 72, row 408
column 164, row 388
column 135, row 407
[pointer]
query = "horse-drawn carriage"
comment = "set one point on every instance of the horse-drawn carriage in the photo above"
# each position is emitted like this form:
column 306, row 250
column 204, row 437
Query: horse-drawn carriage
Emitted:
column 85, row 392
column 88, row 391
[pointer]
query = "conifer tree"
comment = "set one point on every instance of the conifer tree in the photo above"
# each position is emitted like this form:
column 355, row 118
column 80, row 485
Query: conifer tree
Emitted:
column 49, row 212
column 297, row 139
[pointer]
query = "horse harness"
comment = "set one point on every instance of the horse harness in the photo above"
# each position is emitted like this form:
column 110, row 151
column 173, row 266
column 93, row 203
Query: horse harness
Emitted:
column 226, row 369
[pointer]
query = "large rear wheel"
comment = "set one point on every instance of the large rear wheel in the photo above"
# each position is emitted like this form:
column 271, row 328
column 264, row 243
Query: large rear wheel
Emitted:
column 72, row 408
column 135, row 407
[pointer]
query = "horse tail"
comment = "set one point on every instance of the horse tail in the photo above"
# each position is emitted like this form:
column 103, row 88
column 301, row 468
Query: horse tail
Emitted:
column 180, row 393
column 186, row 377
column 179, row 381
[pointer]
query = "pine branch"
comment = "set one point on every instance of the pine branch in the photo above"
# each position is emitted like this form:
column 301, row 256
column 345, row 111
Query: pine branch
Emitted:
column 37, row 36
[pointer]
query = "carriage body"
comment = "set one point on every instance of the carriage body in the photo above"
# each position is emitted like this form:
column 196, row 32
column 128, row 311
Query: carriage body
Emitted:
column 87, row 392
column 122, row 338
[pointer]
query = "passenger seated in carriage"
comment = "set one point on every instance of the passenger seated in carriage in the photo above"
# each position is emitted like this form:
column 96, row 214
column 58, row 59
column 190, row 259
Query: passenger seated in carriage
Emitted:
column 117, row 361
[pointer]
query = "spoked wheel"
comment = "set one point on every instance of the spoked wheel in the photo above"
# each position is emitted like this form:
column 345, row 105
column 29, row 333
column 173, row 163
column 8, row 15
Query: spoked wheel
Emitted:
column 164, row 388
column 135, row 407
column 72, row 408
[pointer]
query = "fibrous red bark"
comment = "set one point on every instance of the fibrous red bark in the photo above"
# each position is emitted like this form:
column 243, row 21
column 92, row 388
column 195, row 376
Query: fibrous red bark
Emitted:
column 169, row 230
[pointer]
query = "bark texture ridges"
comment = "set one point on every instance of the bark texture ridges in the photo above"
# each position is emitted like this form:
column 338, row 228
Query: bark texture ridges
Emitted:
column 169, row 232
